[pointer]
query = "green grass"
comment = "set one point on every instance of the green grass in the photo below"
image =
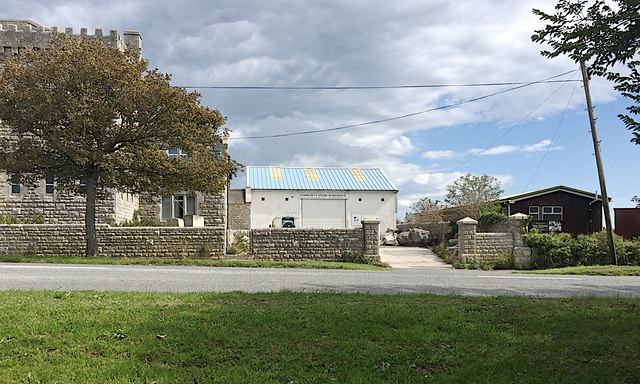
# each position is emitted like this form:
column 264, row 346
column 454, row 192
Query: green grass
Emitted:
column 594, row 270
column 309, row 264
column 116, row 337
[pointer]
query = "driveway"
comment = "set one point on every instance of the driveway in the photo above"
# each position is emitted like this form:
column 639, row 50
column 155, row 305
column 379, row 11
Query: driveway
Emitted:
column 411, row 257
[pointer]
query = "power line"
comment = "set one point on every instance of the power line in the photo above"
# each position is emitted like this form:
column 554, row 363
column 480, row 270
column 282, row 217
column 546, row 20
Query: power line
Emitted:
column 321, row 88
column 552, row 138
column 512, row 128
column 453, row 105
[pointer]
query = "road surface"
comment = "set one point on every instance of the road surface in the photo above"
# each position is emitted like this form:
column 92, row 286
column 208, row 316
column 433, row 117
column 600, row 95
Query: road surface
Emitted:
column 193, row 279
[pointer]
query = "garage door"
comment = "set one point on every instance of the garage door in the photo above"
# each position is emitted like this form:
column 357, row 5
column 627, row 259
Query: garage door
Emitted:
column 323, row 213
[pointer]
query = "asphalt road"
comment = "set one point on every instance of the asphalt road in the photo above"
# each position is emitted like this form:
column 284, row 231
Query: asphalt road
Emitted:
column 193, row 279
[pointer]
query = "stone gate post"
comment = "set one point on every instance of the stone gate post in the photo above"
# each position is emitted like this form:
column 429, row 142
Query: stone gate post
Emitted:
column 371, row 237
column 466, row 239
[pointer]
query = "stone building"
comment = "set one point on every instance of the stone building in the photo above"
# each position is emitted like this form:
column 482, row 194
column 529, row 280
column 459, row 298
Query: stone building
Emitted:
column 42, row 199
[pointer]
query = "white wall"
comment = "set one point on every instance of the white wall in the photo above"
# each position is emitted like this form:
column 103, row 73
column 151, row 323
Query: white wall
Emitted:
column 366, row 203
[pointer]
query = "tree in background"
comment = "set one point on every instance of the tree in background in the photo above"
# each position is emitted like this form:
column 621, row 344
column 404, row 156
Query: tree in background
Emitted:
column 468, row 196
column 424, row 211
column 636, row 200
column 603, row 34
column 474, row 195
column 81, row 110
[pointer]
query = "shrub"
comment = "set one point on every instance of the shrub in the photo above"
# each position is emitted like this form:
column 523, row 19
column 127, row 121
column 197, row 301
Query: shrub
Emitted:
column 239, row 245
column 488, row 219
column 358, row 257
column 140, row 221
column 11, row 219
column 556, row 250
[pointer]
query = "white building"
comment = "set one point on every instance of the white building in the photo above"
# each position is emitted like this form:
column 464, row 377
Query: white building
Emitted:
column 320, row 197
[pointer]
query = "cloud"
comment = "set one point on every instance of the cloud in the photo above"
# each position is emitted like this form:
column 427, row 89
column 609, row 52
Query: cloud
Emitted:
column 443, row 154
column 504, row 149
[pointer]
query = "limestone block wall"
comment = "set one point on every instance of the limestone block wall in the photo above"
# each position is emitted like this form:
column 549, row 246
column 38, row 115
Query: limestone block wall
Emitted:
column 239, row 211
column 490, row 244
column 476, row 247
column 69, row 240
column 17, row 34
column 313, row 243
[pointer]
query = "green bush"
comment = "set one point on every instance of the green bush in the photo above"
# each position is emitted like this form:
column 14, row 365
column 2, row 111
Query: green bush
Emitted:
column 11, row 219
column 357, row 257
column 557, row 250
column 489, row 218
column 140, row 221
column 239, row 245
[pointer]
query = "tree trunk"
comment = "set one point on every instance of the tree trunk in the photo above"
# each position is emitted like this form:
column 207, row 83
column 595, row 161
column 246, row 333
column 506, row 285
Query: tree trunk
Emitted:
column 90, row 215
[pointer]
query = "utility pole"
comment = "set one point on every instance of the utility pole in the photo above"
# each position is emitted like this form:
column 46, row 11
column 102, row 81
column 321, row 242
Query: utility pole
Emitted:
column 596, row 146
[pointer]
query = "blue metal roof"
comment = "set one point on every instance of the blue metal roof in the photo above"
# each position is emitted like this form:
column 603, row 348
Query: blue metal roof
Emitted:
column 333, row 179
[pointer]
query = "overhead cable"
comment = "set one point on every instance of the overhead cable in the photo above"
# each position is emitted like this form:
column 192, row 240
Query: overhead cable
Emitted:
column 443, row 107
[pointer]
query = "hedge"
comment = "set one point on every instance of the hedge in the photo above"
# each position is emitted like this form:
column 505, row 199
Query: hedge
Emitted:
column 557, row 250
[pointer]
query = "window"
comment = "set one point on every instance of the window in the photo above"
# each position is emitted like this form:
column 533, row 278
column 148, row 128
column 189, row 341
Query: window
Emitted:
column 552, row 213
column 15, row 184
column 175, row 152
column 49, row 185
column 534, row 212
column 178, row 206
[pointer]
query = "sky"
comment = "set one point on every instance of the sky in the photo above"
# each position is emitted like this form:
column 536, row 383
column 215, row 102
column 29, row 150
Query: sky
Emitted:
column 532, row 137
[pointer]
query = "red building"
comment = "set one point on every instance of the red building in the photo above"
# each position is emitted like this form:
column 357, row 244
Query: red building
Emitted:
column 557, row 209
column 627, row 222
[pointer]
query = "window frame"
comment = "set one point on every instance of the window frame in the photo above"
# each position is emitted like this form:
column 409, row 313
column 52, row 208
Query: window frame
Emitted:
column 16, row 187
column 49, row 185
column 555, row 211
column 534, row 215
column 172, row 204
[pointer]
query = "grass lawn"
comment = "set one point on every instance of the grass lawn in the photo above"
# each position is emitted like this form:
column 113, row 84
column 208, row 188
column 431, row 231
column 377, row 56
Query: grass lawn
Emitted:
column 594, row 270
column 94, row 337
column 309, row 264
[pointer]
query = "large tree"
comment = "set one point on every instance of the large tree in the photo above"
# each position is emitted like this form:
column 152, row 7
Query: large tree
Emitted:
column 476, row 193
column 469, row 195
column 78, row 109
column 605, row 34
column 424, row 211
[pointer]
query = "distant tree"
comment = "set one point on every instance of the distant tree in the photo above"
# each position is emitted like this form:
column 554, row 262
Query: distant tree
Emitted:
column 424, row 211
column 474, row 194
column 603, row 34
column 81, row 110
column 636, row 200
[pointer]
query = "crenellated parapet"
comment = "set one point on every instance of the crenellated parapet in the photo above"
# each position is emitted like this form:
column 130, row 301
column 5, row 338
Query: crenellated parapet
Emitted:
column 19, row 34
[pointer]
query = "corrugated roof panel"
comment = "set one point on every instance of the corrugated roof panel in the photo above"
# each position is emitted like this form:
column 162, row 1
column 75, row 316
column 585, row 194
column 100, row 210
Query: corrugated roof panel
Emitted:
column 357, row 174
column 311, row 174
column 275, row 173
column 327, row 179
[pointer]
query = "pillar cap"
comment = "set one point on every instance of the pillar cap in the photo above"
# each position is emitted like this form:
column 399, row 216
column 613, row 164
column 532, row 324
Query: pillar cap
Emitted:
column 467, row 220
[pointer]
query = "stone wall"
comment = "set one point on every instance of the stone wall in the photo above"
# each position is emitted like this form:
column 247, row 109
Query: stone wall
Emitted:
column 315, row 244
column 239, row 211
column 69, row 240
column 18, row 34
column 474, row 247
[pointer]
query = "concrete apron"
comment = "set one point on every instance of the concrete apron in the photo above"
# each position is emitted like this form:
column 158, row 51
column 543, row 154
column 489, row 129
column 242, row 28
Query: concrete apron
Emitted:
column 411, row 258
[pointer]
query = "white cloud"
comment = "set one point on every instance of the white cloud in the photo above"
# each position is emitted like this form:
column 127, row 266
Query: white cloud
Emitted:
column 443, row 154
column 503, row 149
column 541, row 146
